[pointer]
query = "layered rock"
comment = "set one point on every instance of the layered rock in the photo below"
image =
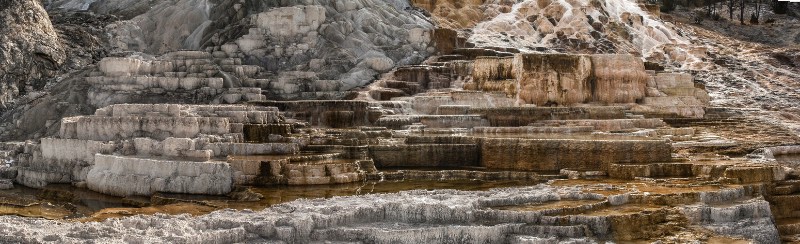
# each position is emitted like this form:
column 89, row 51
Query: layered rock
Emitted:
column 493, row 74
column 618, row 78
column 123, row 176
column 556, row 79
column 528, row 115
column 752, row 219
column 674, row 94
column 557, row 154
column 320, row 169
column 425, row 155
column 500, row 215
column 184, row 142
column 180, row 77
column 327, row 113
column 568, row 79
column 326, row 38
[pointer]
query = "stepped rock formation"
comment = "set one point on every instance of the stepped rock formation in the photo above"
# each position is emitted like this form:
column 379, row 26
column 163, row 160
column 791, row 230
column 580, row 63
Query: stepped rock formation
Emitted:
column 400, row 121
column 346, row 42
column 414, row 216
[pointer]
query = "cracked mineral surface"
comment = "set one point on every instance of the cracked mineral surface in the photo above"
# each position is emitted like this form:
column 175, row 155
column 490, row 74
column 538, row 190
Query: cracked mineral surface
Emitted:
column 399, row 121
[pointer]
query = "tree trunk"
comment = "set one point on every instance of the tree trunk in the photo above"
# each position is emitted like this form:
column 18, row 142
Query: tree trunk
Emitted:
column 758, row 7
column 730, row 9
column 741, row 12
column 758, row 10
column 714, row 8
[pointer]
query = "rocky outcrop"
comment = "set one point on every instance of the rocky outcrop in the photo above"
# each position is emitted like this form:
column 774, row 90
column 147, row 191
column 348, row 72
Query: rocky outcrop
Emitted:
column 562, row 79
column 190, row 142
column 346, row 43
column 30, row 49
column 615, row 26
column 493, row 74
column 618, row 78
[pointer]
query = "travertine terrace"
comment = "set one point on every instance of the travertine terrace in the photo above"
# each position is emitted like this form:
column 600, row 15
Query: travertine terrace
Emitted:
column 372, row 121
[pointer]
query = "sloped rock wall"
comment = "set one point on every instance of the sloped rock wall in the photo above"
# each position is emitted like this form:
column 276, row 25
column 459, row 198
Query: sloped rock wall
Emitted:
column 30, row 49
column 345, row 42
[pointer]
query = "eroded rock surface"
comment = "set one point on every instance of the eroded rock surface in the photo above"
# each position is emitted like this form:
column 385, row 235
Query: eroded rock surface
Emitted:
column 599, row 112
column 30, row 50
column 415, row 216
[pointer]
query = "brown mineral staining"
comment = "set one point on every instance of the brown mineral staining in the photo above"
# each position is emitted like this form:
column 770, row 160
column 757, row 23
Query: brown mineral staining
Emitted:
column 177, row 208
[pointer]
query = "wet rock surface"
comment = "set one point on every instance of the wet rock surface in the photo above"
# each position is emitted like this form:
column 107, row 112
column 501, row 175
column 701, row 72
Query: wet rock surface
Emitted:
column 416, row 216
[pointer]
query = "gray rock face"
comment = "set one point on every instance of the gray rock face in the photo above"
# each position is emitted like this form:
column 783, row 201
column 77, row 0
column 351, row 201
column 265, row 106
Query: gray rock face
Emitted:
column 30, row 49
column 165, row 27
column 300, row 42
